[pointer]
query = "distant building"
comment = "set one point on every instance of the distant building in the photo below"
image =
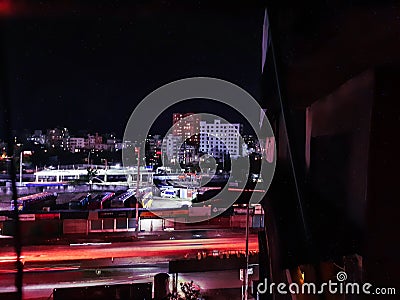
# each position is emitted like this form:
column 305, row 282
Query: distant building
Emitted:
column 187, row 126
column 58, row 138
column 37, row 137
column 76, row 144
column 92, row 140
column 103, row 147
column 118, row 145
column 171, row 147
column 113, row 143
column 187, row 153
column 219, row 139
column 250, row 145
column 153, row 150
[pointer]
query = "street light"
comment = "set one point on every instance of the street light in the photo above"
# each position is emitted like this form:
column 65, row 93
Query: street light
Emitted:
column 137, row 150
column 246, row 277
column 21, row 155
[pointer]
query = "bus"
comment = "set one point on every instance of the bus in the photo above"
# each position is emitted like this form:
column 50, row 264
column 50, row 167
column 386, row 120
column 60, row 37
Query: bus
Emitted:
column 35, row 201
column 81, row 203
column 101, row 201
column 168, row 193
column 126, row 200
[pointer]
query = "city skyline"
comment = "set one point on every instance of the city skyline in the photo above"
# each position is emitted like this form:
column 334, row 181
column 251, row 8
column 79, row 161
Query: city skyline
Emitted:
column 160, row 126
column 92, row 71
column 88, row 92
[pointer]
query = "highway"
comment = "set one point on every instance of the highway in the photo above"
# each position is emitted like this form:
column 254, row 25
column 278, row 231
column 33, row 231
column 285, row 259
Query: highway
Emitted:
column 49, row 266
column 39, row 285
column 132, row 249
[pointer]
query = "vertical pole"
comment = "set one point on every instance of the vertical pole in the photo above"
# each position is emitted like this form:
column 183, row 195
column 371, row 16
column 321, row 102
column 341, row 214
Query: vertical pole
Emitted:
column 21, row 155
column 137, row 150
column 308, row 137
column 6, row 114
column 176, row 282
column 105, row 170
column 173, row 283
column 246, row 271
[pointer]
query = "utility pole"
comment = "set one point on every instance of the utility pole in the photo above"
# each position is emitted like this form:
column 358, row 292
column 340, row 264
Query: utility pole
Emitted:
column 21, row 155
column 246, row 271
column 137, row 150
column 5, row 103
column 88, row 158
column 105, row 170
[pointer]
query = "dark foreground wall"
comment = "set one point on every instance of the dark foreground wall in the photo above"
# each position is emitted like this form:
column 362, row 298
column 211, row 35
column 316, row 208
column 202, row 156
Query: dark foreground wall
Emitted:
column 382, row 241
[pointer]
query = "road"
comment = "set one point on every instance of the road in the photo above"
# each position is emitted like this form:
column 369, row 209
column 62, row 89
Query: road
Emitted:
column 39, row 285
column 132, row 249
column 49, row 266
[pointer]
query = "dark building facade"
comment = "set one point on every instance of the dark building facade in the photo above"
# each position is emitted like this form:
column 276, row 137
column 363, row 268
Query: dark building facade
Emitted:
column 331, row 87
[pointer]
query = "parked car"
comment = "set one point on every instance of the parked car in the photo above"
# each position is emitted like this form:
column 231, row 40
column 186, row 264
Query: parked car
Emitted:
column 168, row 193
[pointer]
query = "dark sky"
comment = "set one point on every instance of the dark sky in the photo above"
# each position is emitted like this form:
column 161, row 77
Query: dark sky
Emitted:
column 87, row 67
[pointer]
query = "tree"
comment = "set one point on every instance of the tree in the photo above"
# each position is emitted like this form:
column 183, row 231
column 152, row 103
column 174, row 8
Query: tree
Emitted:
column 91, row 174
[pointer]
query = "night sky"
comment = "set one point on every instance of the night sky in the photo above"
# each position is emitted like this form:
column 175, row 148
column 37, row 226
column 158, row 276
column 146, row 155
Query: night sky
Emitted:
column 87, row 67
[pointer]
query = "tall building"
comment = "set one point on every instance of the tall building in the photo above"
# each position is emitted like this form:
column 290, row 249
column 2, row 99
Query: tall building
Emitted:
column 153, row 150
column 187, row 126
column 219, row 139
column 171, row 147
column 58, row 138
column 76, row 144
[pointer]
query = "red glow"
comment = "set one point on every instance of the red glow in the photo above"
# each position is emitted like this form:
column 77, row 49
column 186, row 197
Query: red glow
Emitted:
column 137, row 249
column 47, row 216
column 5, row 7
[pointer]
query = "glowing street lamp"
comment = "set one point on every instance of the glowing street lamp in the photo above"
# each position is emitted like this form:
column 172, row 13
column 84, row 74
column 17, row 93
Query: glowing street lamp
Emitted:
column 137, row 150
column 21, row 155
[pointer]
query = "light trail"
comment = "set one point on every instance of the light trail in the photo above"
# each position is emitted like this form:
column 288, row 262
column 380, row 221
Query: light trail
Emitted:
column 133, row 249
